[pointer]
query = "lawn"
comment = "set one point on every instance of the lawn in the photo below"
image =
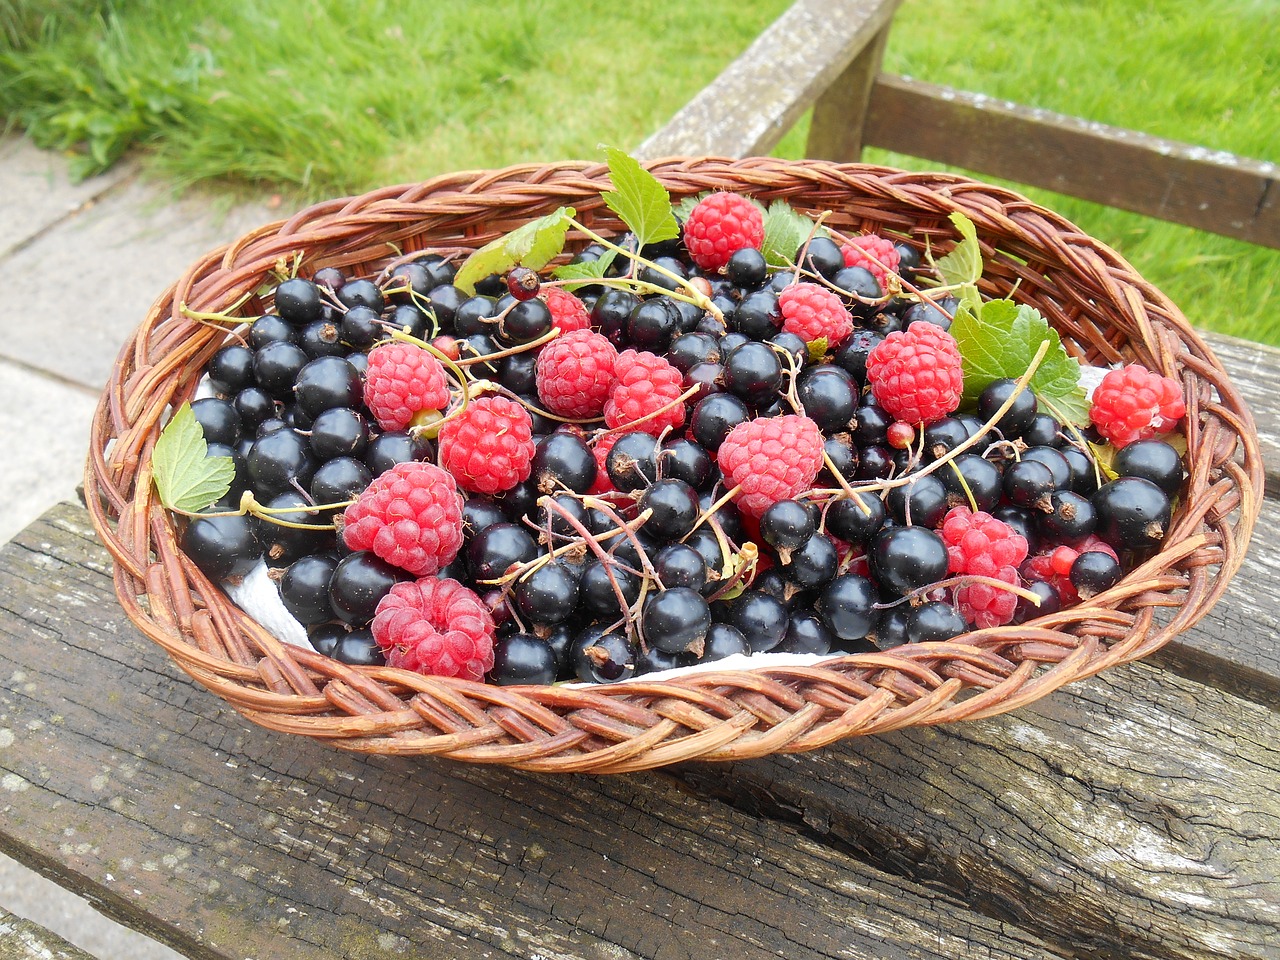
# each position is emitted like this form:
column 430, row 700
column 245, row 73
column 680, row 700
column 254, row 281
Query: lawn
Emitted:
column 327, row 97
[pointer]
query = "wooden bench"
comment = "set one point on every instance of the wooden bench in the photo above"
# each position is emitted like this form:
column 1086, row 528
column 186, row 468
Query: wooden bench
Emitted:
column 1134, row 814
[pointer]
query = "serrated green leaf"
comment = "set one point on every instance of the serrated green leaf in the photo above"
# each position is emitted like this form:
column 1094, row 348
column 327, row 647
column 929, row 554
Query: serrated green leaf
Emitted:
column 187, row 478
column 1001, row 339
column 533, row 244
column 964, row 263
column 785, row 230
column 585, row 270
column 639, row 199
column 686, row 205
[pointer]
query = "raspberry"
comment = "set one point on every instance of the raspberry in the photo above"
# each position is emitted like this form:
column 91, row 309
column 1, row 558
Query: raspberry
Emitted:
column 866, row 250
column 410, row 516
column 1054, row 566
column 575, row 373
column 812, row 312
column 567, row 311
column 980, row 545
column 402, row 381
column 720, row 225
column 437, row 627
column 600, row 449
column 915, row 374
column 489, row 448
column 984, row 605
column 771, row 459
column 645, row 383
column 1133, row 403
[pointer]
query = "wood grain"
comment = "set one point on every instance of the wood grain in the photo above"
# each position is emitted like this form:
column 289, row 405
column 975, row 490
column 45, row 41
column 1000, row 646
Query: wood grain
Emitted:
column 1133, row 814
column 21, row 939
column 132, row 786
column 780, row 75
column 1210, row 190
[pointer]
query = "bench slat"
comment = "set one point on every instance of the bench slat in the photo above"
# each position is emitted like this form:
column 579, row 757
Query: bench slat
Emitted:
column 780, row 75
column 902, row 845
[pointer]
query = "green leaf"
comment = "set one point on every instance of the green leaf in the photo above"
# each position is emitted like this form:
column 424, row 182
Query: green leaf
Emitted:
column 686, row 205
column 585, row 270
column 534, row 245
column 818, row 349
column 964, row 263
column 1000, row 340
column 639, row 199
column 187, row 479
column 785, row 230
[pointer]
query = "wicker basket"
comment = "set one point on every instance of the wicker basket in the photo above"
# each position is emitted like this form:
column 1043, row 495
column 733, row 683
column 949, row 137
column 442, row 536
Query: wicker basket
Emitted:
column 1103, row 309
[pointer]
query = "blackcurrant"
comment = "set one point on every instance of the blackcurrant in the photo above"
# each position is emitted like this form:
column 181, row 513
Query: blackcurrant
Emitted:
column 675, row 620
column 787, row 524
column 359, row 582
column 632, row 463
column 907, row 558
column 846, row 604
column 1093, row 572
column 934, row 621
column 1133, row 513
column 548, row 595
column 1153, row 460
column 563, row 461
column 497, row 548
column 223, row 547
column 304, row 588
column 753, row 372
column 1019, row 415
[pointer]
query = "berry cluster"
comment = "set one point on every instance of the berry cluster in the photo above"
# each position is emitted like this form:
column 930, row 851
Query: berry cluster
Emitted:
column 692, row 456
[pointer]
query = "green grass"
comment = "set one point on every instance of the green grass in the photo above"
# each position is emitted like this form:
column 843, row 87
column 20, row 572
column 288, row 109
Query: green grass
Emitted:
column 327, row 97
column 1205, row 73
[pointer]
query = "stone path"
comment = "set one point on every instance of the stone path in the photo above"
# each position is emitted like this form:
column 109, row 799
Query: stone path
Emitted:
column 81, row 264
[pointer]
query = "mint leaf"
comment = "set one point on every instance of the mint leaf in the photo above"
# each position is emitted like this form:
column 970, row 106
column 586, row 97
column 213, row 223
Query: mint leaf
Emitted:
column 187, row 479
column 585, row 270
column 534, row 245
column 785, row 230
column 639, row 199
column 964, row 263
column 999, row 341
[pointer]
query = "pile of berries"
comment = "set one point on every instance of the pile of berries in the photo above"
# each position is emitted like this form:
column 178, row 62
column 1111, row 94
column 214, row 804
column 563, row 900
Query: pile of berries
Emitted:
column 695, row 456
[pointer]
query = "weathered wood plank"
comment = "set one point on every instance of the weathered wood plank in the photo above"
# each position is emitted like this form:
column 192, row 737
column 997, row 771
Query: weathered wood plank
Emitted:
column 1208, row 189
column 1133, row 814
column 126, row 782
column 1130, row 815
column 780, row 75
column 21, row 939
column 1255, row 372
column 839, row 113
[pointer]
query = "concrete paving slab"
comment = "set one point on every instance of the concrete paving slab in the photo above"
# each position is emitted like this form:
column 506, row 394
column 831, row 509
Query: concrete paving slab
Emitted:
column 37, row 193
column 44, row 431
column 95, row 275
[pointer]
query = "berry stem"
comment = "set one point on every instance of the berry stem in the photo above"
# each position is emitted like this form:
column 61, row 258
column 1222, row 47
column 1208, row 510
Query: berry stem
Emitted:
column 965, row 580
column 593, row 544
column 211, row 317
column 706, row 514
column 695, row 296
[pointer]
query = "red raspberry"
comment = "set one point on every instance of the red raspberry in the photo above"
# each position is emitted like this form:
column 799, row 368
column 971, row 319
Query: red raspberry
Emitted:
column 489, row 448
column 645, row 383
column 600, row 449
column 437, row 627
column 410, row 516
column 575, row 373
column 719, row 226
column 567, row 311
column 866, row 250
column 915, row 374
column 1054, row 566
column 811, row 312
column 403, row 380
column 980, row 545
column 1133, row 403
column 771, row 459
column 984, row 605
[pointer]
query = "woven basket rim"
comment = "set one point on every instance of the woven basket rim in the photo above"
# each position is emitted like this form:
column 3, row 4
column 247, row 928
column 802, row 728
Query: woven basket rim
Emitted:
column 714, row 714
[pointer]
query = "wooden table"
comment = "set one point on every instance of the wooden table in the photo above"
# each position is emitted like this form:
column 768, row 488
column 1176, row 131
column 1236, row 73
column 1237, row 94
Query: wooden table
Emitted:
column 1131, row 815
